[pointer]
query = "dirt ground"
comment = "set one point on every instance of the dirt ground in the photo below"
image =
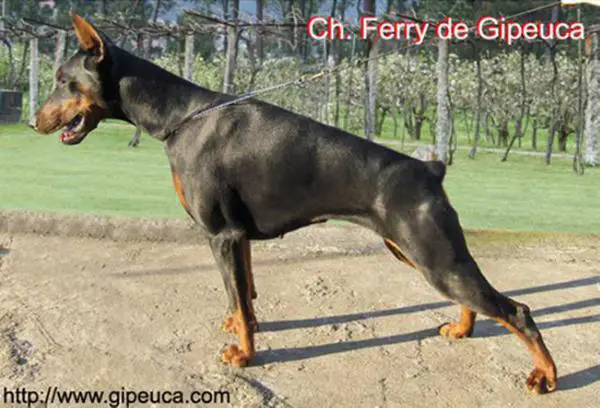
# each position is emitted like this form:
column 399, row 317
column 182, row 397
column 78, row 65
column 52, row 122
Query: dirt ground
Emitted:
column 342, row 323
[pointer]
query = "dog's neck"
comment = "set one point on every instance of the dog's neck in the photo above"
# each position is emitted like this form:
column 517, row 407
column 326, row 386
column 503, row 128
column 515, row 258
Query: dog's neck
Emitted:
column 152, row 98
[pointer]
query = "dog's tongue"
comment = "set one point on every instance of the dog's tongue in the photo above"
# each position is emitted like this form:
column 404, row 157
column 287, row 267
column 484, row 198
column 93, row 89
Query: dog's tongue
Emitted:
column 68, row 133
column 66, row 136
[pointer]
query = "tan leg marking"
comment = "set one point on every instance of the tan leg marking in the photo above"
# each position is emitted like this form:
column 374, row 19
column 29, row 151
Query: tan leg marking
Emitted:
column 179, row 190
column 239, row 356
column 543, row 377
column 462, row 328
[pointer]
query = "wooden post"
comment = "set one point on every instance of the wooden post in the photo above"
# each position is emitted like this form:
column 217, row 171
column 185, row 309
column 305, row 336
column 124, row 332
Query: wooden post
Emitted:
column 349, row 87
column 577, row 159
column 232, row 48
column 478, row 112
column 592, row 109
column 371, row 91
column 189, row 57
column 442, row 101
column 326, row 63
column 554, row 113
column 34, row 77
column 3, row 16
column 59, row 53
column 260, row 48
column 370, row 78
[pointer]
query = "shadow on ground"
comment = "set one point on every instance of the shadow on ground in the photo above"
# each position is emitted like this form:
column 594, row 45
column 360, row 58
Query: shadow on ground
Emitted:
column 316, row 256
column 320, row 321
column 485, row 328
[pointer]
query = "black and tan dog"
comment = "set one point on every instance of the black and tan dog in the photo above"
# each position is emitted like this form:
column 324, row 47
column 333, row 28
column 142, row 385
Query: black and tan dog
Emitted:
column 253, row 171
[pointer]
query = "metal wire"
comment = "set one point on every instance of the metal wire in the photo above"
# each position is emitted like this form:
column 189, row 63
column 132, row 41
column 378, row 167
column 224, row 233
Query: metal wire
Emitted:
column 328, row 71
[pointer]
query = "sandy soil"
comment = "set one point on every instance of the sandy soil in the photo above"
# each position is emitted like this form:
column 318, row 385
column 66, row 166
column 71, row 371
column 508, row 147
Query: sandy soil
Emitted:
column 343, row 324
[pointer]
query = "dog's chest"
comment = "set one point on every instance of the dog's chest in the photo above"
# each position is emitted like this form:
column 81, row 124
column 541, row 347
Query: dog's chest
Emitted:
column 194, row 182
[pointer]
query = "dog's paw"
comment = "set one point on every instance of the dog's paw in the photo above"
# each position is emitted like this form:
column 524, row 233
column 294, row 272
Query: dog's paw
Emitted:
column 454, row 330
column 541, row 381
column 229, row 326
column 235, row 356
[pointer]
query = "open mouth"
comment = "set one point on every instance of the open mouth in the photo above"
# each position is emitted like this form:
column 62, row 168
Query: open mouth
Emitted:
column 74, row 131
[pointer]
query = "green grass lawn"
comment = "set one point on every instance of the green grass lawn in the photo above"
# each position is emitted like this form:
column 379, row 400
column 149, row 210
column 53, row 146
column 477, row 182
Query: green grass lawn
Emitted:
column 462, row 130
column 103, row 176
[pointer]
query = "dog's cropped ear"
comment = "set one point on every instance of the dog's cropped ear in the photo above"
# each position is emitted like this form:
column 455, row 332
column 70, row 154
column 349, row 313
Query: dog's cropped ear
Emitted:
column 89, row 38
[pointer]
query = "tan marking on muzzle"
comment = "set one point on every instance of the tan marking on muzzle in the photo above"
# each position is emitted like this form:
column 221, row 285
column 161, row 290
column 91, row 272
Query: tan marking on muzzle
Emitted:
column 52, row 115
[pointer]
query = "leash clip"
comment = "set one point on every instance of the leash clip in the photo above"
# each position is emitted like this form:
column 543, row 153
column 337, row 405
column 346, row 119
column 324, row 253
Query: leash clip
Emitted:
column 301, row 82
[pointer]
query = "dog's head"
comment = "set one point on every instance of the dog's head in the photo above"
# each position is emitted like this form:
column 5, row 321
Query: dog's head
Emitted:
column 78, row 103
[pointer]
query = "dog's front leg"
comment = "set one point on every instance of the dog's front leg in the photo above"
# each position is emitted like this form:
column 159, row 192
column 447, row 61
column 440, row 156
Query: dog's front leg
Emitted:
column 228, row 248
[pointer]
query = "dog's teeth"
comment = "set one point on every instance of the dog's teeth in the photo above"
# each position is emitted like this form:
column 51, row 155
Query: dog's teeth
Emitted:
column 66, row 136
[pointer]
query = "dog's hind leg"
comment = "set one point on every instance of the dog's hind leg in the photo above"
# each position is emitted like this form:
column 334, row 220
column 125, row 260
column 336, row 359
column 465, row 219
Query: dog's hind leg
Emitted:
column 229, row 324
column 464, row 327
column 248, row 259
column 247, row 253
column 460, row 329
column 463, row 283
column 434, row 243
column 228, row 250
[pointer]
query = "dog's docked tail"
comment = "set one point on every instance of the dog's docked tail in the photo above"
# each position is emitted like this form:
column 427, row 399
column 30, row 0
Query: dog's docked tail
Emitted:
column 437, row 168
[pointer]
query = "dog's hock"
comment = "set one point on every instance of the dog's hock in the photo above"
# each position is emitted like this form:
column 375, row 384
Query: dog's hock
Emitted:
column 428, row 154
column 437, row 168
